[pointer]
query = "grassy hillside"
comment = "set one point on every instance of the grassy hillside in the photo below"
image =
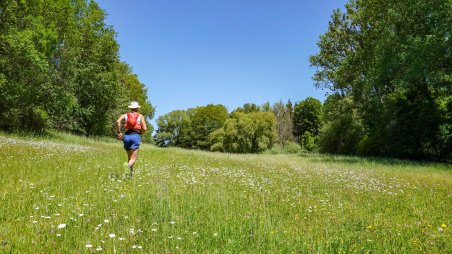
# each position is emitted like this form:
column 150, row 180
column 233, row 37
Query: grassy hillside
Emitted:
column 68, row 194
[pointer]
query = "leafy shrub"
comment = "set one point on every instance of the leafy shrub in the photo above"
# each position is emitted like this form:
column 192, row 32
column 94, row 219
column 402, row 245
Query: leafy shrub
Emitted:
column 308, row 141
column 292, row 147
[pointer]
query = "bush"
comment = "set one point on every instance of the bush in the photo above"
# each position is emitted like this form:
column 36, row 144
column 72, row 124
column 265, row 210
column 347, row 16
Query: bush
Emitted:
column 308, row 141
column 217, row 147
column 276, row 149
column 292, row 148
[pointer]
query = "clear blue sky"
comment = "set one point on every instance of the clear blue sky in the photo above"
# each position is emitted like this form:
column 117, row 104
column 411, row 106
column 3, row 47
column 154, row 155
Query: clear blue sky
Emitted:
column 191, row 53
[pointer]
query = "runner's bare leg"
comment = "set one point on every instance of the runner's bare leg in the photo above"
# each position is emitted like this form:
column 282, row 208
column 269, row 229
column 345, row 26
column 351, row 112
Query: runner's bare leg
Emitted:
column 132, row 154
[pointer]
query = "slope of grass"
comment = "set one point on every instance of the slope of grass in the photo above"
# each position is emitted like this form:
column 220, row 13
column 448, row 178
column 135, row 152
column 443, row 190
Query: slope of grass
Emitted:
column 68, row 195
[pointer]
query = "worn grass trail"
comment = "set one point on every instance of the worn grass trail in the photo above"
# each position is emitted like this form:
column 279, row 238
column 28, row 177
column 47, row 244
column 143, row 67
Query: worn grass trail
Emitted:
column 68, row 195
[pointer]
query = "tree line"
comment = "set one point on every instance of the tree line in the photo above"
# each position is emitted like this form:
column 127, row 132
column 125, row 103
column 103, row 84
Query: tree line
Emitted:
column 387, row 66
column 249, row 129
column 60, row 68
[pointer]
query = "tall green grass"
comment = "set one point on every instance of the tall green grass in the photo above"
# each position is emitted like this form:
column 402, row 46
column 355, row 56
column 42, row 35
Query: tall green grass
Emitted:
column 68, row 194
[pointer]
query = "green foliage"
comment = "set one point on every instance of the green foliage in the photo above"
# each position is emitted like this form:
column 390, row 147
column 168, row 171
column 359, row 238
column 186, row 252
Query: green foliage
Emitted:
column 216, row 139
column 292, row 147
column 343, row 130
column 393, row 59
column 59, row 68
column 307, row 117
column 204, row 121
column 252, row 132
column 308, row 141
column 170, row 128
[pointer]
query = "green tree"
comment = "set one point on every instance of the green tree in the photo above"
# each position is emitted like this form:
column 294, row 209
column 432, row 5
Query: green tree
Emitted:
column 204, row 121
column 307, row 117
column 59, row 68
column 342, row 131
column 393, row 59
column 170, row 127
column 246, row 133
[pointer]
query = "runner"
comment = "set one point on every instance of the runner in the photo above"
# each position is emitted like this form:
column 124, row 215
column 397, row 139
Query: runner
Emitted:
column 135, row 125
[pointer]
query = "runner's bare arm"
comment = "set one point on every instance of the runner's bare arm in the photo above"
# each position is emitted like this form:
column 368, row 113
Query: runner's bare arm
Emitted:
column 118, row 126
column 118, row 123
column 144, row 127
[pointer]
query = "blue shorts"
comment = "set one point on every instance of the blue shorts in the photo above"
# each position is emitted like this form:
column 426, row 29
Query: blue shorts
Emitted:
column 131, row 141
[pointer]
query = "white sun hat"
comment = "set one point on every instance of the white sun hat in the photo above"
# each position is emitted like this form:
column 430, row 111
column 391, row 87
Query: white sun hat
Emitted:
column 134, row 104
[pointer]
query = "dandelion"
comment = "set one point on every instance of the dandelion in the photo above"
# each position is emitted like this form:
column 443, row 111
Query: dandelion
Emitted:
column 215, row 234
column 369, row 227
column 62, row 225
column 444, row 226
column 112, row 235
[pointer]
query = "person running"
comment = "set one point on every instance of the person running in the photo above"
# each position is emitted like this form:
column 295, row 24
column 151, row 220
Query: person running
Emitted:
column 135, row 125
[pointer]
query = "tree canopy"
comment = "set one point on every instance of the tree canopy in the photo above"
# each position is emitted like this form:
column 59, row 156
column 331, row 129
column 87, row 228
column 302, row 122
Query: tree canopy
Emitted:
column 392, row 60
column 60, row 68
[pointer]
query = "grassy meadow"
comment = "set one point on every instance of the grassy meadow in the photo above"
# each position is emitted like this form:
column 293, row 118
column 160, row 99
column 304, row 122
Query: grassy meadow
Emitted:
column 68, row 194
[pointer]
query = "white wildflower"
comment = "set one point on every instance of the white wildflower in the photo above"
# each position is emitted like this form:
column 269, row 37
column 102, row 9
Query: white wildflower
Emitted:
column 62, row 225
